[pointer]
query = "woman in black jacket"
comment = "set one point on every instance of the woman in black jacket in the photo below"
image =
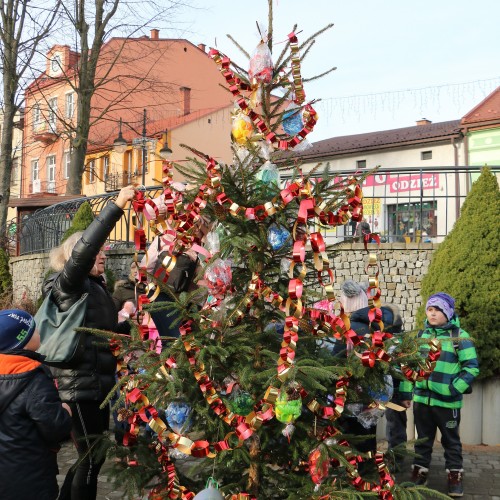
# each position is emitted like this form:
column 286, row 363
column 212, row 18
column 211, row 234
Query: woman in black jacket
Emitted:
column 79, row 265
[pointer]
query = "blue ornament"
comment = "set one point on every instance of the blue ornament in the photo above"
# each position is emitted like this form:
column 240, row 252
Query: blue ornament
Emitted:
column 385, row 394
column 278, row 237
column 178, row 416
column 268, row 174
column 292, row 121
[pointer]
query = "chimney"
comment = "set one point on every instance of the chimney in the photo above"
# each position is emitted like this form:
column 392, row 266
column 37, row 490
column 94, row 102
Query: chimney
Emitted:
column 423, row 121
column 155, row 34
column 186, row 97
column 202, row 46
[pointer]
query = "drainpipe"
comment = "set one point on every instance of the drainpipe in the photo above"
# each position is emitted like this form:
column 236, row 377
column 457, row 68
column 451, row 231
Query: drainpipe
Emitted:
column 457, row 178
column 466, row 153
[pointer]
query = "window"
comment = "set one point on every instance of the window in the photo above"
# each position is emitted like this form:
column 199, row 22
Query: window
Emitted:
column 37, row 116
column 426, row 155
column 70, row 104
column 105, row 167
column 67, row 163
column 91, row 169
column 51, row 174
column 35, row 173
column 360, row 164
column 53, row 114
column 15, row 170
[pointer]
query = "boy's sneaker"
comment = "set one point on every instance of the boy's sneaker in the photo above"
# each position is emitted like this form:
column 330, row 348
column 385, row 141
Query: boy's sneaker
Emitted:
column 455, row 486
column 419, row 475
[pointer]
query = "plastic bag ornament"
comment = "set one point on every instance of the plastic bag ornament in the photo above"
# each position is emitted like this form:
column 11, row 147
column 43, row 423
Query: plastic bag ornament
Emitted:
column 242, row 128
column 293, row 122
column 279, row 237
column 318, row 466
column 178, row 416
column 211, row 491
column 268, row 174
column 288, row 406
column 241, row 403
column 219, row 274
column 383, row 395
column 261, row 65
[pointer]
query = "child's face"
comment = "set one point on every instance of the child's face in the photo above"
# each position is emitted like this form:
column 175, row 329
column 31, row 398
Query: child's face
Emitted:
column 34, row 342
column 435, row 317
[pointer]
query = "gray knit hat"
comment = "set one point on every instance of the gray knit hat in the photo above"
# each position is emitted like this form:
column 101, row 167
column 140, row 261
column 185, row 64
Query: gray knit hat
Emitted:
column 353, row 296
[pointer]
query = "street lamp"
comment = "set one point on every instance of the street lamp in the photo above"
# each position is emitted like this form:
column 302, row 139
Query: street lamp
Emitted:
column 165, row 151
column 120, row 145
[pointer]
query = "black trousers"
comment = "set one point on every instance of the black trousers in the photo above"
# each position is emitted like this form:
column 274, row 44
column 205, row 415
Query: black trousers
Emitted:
column 395, row 428
column 89, row 424
column 427, row 420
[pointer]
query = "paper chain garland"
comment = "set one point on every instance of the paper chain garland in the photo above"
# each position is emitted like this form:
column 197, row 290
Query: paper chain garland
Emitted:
column 236, row 86
column 181, row 221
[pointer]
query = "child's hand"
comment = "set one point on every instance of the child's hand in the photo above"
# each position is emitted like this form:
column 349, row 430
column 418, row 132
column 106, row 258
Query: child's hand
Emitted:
column 67, row 408
column 406, row 403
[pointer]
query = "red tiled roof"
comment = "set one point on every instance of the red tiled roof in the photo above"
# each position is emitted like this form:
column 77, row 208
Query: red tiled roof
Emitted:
column 487, row 110
column 383, row 139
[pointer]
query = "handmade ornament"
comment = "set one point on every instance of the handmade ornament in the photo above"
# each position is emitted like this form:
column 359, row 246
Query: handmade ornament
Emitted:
column 383, row 395
column 288, row 405
column 242, row 128
column 268, row 174
column 318, row 466
column 211, row 491
column 178, row 416
column 241, row 403
column 278, row 237
column 219, row 274
column 292, row 119
column 261, row 64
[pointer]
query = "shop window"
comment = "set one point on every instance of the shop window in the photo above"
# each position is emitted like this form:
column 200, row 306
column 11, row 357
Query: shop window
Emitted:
column 412, row 222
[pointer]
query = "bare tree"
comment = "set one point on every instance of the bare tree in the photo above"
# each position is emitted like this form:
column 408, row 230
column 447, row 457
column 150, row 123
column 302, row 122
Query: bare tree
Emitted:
column 93, row 25
column 24, row 26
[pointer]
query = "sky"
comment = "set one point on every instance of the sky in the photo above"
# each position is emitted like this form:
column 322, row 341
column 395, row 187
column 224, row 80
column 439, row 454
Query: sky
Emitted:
column 397, row 61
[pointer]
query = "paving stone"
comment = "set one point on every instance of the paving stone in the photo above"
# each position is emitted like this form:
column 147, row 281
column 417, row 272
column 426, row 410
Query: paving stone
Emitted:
column 481, row 477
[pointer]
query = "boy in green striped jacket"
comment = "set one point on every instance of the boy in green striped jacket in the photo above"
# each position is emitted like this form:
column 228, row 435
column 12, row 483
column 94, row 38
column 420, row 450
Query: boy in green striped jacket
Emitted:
column 438, row 399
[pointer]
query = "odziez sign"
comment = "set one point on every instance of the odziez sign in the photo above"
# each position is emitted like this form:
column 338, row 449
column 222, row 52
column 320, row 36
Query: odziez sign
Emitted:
column 401, row 183
column 396, row 183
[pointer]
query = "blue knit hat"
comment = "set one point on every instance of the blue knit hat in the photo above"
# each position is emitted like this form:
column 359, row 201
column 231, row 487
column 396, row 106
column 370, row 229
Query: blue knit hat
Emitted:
column 16, row 329
column 444, row 302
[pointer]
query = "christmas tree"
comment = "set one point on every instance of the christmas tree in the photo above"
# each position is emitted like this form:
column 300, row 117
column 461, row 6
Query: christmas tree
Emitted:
column 247, row 398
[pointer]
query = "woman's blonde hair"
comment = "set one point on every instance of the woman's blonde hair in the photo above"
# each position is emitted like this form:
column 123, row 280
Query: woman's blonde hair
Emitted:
column 60, row 255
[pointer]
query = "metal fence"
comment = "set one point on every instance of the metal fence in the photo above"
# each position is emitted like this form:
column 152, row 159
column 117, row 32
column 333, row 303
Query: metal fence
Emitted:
column 404, row 205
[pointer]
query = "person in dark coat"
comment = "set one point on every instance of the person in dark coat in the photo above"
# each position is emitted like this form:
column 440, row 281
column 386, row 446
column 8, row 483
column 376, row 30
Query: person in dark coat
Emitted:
column 33, row 420
column 79, row 265
column 355, row 303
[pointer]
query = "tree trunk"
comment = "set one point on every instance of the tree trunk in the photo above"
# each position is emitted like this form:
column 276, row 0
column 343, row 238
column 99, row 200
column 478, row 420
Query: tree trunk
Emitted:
column 6, row 161
column 254, row 469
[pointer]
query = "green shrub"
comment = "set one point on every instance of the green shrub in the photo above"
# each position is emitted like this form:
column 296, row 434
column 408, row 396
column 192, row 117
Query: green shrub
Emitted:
column 466, row 266
column 5, row 277
column 82, row 219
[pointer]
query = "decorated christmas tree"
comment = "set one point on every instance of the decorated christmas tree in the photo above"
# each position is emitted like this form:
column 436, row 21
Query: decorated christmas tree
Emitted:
column 246, row 401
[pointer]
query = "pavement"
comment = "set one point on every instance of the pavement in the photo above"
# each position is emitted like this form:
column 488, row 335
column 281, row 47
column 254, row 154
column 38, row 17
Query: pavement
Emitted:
column 481, row 476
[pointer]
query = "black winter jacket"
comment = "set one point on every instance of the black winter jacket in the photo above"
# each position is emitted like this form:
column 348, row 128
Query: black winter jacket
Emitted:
column 32, row 423
column 92, row 376
column 360, row 323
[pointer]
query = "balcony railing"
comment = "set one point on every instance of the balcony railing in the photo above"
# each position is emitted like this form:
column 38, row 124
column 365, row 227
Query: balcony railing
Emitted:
column 115, row 181
column 406, row 205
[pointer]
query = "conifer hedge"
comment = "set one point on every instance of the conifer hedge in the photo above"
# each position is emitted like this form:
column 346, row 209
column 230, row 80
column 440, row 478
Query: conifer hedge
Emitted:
column 82, row 219
column 466, row 266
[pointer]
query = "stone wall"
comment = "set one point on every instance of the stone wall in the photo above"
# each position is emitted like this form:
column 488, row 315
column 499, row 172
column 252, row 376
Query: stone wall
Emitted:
column 401, row 268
